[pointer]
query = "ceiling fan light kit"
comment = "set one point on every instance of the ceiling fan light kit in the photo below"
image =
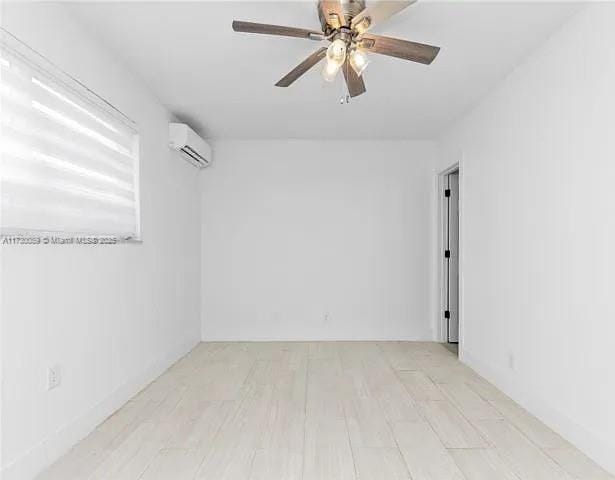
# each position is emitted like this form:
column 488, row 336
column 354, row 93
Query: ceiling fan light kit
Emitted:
column 345, row 26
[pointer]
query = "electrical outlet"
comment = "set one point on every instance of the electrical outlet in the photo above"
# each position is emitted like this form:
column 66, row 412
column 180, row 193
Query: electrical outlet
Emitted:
column 326, row 318
column 511, row 361
column 54, row 377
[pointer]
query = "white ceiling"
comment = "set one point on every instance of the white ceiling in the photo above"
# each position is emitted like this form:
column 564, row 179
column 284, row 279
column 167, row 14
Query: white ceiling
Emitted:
column 223, row 82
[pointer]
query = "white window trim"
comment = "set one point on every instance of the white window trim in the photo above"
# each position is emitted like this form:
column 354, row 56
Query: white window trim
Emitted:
column 49, row 69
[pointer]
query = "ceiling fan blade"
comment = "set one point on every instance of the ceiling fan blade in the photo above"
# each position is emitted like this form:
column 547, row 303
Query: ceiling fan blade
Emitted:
column 355, row 84
column 303, row 67
column 378, row 11
column 394, row 47
column 263, row 28
column 333, row 13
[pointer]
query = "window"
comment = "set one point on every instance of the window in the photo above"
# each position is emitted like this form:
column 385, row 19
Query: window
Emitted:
column 69, row 160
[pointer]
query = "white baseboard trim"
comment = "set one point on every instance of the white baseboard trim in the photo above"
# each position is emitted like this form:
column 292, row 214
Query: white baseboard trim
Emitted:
column 599, row 449
column 53, row 447
column 426, row 338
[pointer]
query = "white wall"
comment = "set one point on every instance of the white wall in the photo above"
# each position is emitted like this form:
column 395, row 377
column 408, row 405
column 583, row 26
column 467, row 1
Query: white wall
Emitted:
column 111, row 317
column 538, row 226
column 318, row 240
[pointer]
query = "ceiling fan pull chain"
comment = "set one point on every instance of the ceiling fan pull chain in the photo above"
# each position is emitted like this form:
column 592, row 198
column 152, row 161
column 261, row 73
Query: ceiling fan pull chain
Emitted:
column 345, row 98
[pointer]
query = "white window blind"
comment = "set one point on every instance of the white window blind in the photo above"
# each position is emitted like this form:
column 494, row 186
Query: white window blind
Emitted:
column 69, row 160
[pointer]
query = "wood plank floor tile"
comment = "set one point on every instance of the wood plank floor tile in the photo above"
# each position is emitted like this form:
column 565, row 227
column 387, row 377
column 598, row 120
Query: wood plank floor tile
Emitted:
column 535, row 430
column 322, row 411
column 196, row 427
column 577, row 465
column 452, row 428
column 420, row 386
column 131, row 458
column 399, row 355
column 232, row 451
column 452, row 373
column 482, row 464
column 424, row 453
column 380, row 464
column 485, row 389
column 328, row 455
column 471, row 405
column 367, row 425
column 174, row 463
column 521, row 455
column 277, row 463
column 397, row 405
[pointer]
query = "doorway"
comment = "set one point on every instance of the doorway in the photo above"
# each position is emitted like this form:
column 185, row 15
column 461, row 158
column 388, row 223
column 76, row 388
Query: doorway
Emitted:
column 450, row 258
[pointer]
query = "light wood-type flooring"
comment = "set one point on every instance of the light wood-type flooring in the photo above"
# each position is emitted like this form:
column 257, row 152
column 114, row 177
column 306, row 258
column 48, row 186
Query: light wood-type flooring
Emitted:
column 322, row 411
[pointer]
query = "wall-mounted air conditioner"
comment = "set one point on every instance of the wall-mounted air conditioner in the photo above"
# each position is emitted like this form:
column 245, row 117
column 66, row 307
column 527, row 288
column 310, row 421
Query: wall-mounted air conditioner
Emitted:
column 192, row 147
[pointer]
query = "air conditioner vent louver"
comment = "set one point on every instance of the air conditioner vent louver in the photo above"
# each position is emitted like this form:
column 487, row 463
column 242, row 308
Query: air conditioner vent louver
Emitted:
column 193, row 154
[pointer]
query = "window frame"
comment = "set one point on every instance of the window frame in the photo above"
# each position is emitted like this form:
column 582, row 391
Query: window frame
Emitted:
column 49, row 70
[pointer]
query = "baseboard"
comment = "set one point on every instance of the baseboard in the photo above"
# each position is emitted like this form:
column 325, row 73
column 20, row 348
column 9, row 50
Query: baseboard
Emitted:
column 594, row 446
column 248, row 339
column 53, row 447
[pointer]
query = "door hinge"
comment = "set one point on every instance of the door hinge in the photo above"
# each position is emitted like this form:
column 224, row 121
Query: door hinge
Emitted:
column 447, row 314
column 447, row 192
column 447, row 254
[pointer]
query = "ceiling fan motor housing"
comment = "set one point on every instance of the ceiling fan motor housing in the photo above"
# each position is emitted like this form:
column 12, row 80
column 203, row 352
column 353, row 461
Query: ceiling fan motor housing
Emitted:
column 344, row 34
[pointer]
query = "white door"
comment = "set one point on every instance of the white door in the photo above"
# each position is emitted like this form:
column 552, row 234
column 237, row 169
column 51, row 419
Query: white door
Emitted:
column 451, row 256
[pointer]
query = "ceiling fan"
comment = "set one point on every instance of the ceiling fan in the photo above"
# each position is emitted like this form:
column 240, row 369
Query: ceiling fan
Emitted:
column 345, row 24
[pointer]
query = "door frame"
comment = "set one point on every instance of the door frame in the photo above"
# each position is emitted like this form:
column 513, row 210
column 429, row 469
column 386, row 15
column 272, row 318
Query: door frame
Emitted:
column 440, row 260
